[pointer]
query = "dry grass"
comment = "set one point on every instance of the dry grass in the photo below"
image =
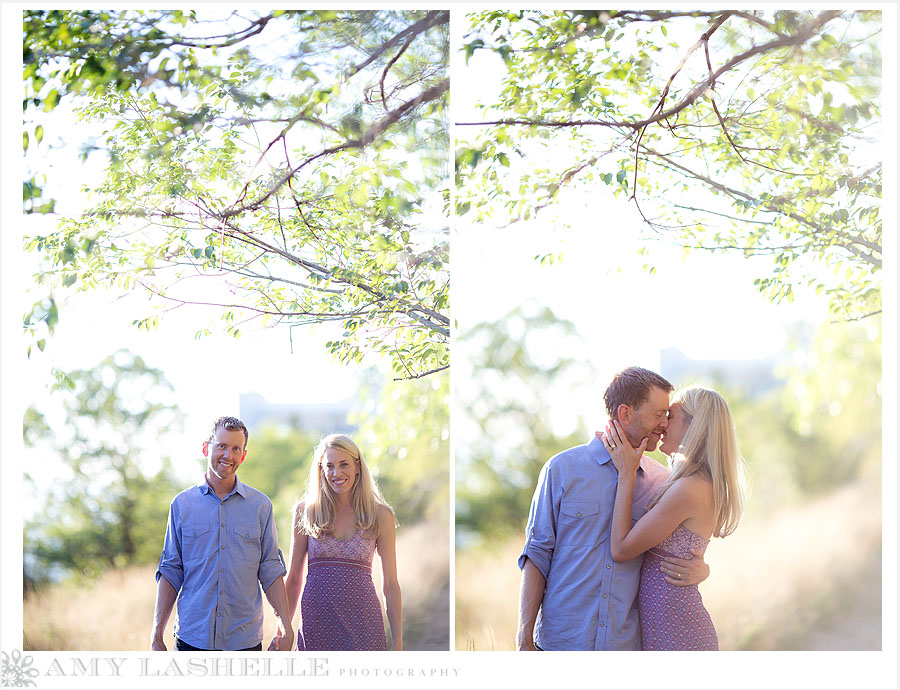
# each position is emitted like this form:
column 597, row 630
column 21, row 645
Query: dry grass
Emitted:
column 791, row 580
column 115, row 612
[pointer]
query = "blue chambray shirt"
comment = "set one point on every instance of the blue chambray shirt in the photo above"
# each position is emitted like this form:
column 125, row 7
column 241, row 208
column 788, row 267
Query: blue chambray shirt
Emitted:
column 217, row 554
column 590, row 601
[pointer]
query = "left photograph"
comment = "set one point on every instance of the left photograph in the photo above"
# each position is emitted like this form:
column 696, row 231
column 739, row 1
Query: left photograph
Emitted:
column 234, row 278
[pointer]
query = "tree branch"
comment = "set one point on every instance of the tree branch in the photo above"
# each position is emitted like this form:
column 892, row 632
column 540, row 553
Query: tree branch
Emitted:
column 806, row 33
column 432, row 18
column 371, row 133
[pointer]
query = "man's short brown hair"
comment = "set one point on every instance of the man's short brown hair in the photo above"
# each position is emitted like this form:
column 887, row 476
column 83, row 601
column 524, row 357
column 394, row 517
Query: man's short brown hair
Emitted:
column 631, row 387
column 229, row 424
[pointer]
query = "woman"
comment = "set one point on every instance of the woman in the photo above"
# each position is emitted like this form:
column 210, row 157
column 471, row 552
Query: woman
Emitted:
column 339, row 525
column 702, row 497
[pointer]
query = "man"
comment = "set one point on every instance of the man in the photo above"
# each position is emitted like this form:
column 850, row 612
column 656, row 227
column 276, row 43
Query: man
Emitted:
column 573, row 595
column 220, row 547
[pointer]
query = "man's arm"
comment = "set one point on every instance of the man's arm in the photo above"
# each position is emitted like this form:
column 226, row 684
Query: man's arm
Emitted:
column 169, row 578
column 271, row 574
column 540, row 542
column 284, row 635
column 165, row 602
column 683, row 572
column 531, row 594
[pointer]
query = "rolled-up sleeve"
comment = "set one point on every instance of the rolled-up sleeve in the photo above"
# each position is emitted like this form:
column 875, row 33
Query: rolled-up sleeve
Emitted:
column 271, row 561
column 170, row 563
column 540, row 532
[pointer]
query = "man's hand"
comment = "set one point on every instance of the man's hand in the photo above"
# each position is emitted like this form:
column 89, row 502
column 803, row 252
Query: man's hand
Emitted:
column 684, row 572
column 525, row 643
column 283, row 641
column 531, row 594
column 157, row 645
column 286, row 642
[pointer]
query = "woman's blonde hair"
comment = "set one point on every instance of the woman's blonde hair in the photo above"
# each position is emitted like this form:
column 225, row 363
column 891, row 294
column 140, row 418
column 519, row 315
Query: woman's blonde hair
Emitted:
column 709, row 448
column 320, row 500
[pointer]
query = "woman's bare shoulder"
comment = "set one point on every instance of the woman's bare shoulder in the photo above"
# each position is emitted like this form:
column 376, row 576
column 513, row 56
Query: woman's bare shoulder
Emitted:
column 384, row 513
column 694, row 488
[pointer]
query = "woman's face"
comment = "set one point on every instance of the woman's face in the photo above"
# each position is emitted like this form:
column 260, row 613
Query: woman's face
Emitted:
column 340, row 470
column 675, row 431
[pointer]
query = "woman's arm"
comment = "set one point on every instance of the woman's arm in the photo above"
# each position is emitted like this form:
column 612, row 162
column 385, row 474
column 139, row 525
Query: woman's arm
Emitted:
column 387, row 550
column 294, row 579
column 676, row 505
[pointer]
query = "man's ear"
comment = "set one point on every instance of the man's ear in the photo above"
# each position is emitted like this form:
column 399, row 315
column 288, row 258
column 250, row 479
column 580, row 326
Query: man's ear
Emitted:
column 205, row 447
column 624, row 414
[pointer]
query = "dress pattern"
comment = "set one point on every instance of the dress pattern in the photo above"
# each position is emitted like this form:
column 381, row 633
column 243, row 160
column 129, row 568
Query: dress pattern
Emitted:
column 339, row 609
column 672, row 617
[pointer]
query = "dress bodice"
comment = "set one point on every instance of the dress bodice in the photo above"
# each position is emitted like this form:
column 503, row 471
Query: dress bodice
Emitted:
column 680, row 543
column 357, row 548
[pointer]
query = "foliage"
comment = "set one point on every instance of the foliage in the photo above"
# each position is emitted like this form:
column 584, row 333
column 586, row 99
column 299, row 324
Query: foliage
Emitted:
column 833, row 403
column 506, row 432
column 109, row 508
column 293, row 160
column 754, row 132
column 404, row 433
column 819, row 427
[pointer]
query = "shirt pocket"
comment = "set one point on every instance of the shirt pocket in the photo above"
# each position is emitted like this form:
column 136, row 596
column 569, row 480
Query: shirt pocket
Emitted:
column 247, row 543
column 195, row 541
column 580, row 523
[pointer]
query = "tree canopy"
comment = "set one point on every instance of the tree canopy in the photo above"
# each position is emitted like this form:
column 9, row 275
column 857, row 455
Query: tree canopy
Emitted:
column 755, row 132
column 284, row 167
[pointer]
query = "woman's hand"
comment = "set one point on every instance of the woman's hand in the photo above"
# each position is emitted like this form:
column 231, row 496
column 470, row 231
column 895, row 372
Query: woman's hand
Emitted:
column 624, row 457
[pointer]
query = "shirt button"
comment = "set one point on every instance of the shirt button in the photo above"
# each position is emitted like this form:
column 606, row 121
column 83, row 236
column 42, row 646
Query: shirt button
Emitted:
column 607, row 566
column 601, row 624
column 604, row 596
column 219, row 614
column 577, row 514
column 223, row 592
column 223, row 548
column 222, row 524
column 221, row 570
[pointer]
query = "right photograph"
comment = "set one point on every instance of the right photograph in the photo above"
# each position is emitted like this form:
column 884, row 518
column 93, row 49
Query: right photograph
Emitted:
column 668, row 387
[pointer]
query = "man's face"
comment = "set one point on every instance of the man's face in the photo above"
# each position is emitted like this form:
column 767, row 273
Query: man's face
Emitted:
column 649, row 420
column 225, row 452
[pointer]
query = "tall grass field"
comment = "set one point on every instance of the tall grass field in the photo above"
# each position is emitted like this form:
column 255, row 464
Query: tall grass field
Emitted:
column 115, row 612
column 805, row 578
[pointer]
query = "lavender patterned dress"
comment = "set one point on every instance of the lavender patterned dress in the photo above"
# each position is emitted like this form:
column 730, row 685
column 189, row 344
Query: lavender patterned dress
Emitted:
column 673, row 618
column 339, row 609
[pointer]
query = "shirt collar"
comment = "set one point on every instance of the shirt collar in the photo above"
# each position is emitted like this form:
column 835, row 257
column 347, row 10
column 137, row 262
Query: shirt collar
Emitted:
column 599, row 452
column 239, row 487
